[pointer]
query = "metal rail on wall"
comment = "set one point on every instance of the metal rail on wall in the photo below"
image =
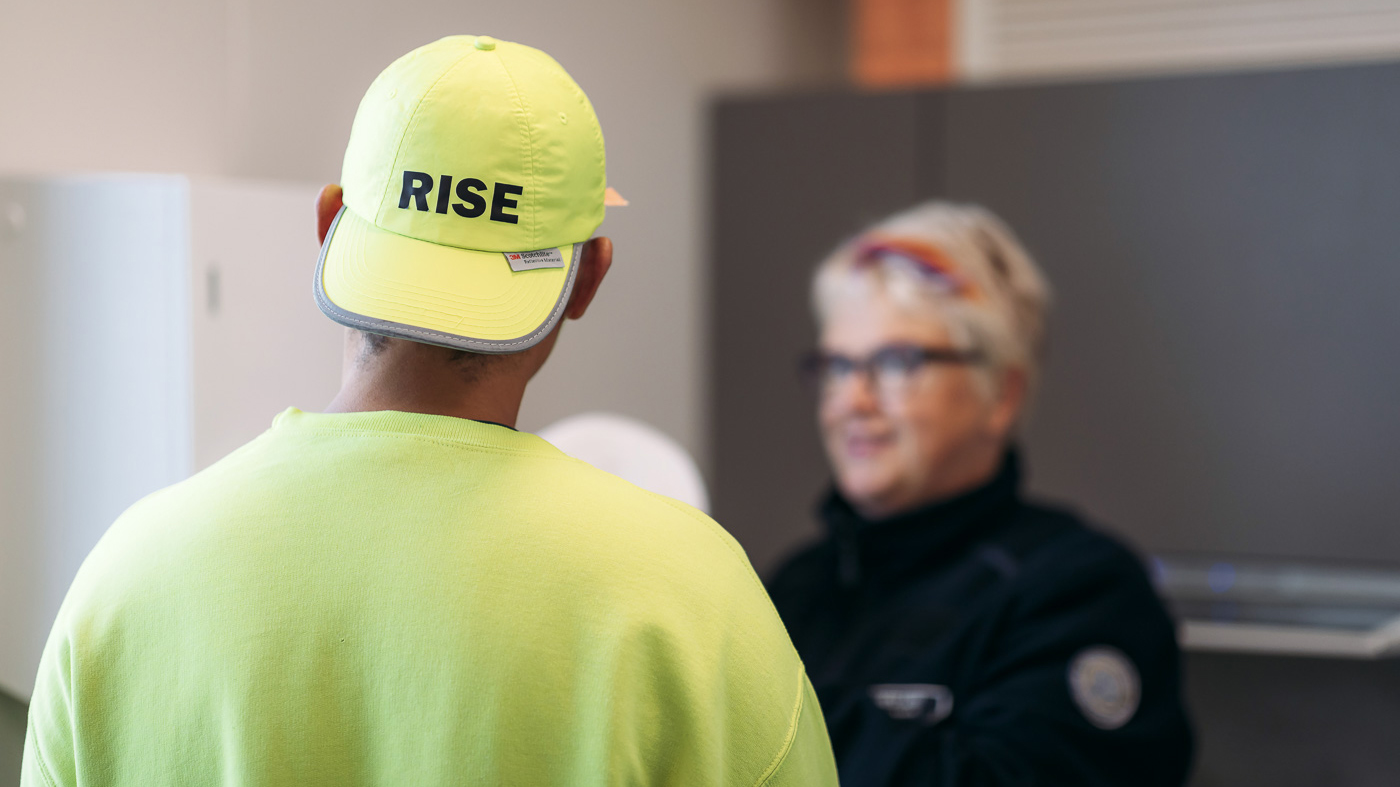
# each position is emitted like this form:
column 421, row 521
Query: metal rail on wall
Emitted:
column 1285, row 608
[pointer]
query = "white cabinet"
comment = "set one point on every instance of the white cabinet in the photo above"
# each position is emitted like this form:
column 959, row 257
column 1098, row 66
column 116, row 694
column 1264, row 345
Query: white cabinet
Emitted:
column 148, row 326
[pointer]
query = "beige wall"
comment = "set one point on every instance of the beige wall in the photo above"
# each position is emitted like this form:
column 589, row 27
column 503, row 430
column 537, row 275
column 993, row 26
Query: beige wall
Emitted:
column 266, row 89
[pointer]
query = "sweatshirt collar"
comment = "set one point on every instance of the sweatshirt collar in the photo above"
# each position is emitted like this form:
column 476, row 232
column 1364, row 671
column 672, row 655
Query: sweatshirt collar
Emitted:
column 441, row 427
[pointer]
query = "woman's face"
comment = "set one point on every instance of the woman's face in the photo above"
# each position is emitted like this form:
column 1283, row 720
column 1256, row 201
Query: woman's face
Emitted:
column 911, row 439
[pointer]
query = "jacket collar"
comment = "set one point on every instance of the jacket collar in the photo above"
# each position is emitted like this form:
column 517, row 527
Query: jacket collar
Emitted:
column 887, row 551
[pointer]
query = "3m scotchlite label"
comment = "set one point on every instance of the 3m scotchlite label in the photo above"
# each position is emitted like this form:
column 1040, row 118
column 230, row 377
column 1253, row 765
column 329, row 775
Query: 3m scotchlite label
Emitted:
column 534, row 260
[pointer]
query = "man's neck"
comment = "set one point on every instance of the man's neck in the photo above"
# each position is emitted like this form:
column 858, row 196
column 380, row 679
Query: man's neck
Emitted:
column 423, row 382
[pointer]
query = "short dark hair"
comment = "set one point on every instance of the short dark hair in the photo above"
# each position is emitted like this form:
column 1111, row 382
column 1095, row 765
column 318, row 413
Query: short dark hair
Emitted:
column 374, row 342
column 469, row 363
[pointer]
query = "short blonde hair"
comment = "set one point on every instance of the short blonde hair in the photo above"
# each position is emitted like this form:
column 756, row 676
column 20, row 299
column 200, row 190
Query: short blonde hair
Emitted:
column 956, row 263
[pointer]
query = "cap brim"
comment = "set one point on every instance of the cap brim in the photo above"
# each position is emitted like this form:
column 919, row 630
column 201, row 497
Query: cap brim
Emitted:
column 382, row 282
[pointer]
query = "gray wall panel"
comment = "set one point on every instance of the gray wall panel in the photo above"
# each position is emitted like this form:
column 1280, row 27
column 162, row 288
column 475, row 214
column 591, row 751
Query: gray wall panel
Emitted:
column 1227, row 256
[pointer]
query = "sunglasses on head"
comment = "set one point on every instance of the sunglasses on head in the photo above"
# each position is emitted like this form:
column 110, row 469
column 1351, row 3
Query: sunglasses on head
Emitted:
column 923, row 257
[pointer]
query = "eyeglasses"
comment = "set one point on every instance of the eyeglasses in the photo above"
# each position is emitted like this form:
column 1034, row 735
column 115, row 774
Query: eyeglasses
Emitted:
column 891, row 369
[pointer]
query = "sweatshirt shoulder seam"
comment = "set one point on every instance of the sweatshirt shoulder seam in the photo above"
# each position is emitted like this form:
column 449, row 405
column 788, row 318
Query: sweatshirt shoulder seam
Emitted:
column 39, row 758
column 789, row 739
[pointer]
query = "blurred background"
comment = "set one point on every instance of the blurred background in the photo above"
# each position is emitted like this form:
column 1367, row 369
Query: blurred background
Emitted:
column 1212, row 186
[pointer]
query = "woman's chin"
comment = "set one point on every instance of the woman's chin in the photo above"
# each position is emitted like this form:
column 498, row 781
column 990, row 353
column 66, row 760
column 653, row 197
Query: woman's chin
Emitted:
column 868, row 494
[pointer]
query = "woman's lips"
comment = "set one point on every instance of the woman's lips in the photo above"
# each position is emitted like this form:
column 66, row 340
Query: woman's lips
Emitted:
column 865, row 446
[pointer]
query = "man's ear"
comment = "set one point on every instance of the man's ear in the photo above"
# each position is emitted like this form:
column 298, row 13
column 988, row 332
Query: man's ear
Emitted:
column 328, row 203
column 593, row 265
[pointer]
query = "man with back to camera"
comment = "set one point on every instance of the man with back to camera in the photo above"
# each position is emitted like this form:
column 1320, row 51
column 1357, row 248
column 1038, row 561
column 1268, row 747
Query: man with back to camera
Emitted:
column 957, row 634
column 404, row 589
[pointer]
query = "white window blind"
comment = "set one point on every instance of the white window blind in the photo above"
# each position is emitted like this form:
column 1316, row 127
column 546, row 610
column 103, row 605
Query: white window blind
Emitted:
column 1024, row 39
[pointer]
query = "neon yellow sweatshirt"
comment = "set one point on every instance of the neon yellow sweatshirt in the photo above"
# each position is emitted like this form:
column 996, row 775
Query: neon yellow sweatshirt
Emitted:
column 400, row 599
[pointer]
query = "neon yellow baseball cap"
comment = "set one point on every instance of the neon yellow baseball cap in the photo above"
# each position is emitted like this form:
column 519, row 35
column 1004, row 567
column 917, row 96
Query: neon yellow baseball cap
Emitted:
column 474, row 174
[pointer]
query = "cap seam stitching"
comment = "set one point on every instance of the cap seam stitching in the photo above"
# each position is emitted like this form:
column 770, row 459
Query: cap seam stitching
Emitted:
column 408, row 129
column 602, row 144
column 542, row 57
column 529, row 148
column 476, row 345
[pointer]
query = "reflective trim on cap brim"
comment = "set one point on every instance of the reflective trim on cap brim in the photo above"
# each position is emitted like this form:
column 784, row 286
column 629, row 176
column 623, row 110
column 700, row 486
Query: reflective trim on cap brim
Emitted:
column 424, row 291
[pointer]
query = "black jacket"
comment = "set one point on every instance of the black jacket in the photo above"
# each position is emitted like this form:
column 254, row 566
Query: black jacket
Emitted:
column 986, row 641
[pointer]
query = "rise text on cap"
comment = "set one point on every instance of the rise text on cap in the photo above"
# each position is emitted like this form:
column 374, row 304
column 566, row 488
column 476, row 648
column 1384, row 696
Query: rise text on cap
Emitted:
column 418, row 185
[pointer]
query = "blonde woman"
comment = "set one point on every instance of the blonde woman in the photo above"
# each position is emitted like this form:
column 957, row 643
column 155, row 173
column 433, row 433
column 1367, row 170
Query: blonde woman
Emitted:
column 956, row 633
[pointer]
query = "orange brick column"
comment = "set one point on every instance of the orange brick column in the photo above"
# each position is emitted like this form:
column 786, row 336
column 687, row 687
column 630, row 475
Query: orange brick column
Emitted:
column 900, row 43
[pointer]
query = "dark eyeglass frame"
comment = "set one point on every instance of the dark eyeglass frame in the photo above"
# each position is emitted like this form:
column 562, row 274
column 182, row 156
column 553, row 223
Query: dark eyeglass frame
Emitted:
column 907, row 358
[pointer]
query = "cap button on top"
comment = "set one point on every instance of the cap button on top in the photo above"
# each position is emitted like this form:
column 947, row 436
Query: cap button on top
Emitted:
column 485, row 43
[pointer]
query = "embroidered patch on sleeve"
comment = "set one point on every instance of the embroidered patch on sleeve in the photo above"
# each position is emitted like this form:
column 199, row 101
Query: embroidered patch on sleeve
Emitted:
column 1105, row 685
